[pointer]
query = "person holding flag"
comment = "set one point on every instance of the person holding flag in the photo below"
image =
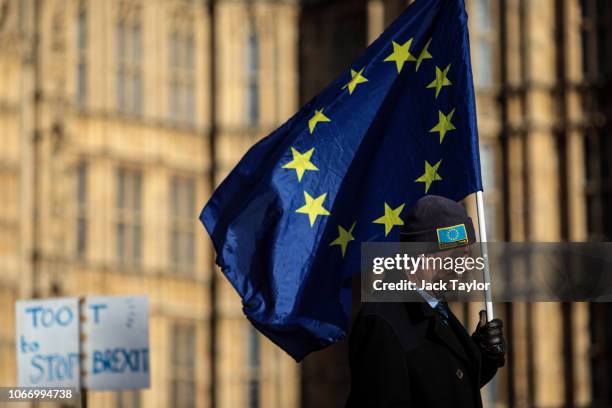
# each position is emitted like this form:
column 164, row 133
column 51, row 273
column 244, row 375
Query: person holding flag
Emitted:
column 398, row 124
column 417, row 354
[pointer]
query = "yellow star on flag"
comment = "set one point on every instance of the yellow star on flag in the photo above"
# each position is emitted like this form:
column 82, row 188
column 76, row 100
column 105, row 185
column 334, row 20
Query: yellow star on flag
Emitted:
column 301, row 162
column 356, row 79
column 431, row 175
column 318, row 116
column 391, row 218
column 423, row 55
column 344, row 237
column 401, row 54
column 313, row 207
column 444, row 124
column 441, row 79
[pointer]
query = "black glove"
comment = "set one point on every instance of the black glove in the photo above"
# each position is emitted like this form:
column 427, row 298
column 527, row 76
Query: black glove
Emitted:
column 489, row 338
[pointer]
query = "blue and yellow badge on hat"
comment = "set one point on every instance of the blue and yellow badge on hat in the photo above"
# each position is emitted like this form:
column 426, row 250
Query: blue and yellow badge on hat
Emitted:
column 453, row 236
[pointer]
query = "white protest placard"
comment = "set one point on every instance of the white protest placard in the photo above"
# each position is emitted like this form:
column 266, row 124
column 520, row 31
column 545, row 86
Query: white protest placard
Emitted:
column 47, row 340
column 116, row 342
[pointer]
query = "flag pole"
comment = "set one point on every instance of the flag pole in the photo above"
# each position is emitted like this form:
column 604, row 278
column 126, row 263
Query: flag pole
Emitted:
column 482, row 228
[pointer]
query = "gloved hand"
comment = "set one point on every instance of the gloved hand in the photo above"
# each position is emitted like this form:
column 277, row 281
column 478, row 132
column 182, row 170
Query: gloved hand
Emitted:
column 489, row 338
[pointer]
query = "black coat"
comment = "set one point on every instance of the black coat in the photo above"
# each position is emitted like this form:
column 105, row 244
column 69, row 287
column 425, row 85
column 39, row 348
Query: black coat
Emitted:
column 404, row 355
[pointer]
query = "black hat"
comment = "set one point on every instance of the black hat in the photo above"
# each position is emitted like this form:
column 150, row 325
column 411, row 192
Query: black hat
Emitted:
column 438, row 219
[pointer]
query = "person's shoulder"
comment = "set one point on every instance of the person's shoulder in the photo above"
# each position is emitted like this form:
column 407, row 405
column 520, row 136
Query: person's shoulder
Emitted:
column 394, row 316
column 384, row 310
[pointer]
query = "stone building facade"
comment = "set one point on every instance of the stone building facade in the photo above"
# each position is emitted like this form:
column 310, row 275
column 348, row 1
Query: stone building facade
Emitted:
column 107, row 113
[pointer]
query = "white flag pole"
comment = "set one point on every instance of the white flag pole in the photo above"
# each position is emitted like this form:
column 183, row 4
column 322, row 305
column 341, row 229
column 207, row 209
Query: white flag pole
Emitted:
column 482, row 228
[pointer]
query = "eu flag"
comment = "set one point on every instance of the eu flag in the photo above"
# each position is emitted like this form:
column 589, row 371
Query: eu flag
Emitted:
column 399, row 123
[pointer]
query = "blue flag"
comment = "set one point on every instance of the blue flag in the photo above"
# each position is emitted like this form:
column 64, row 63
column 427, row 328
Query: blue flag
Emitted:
column 399, row 123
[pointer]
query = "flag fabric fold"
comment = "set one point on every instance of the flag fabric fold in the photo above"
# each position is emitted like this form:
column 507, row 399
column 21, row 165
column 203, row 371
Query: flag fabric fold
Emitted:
column 399, row 123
